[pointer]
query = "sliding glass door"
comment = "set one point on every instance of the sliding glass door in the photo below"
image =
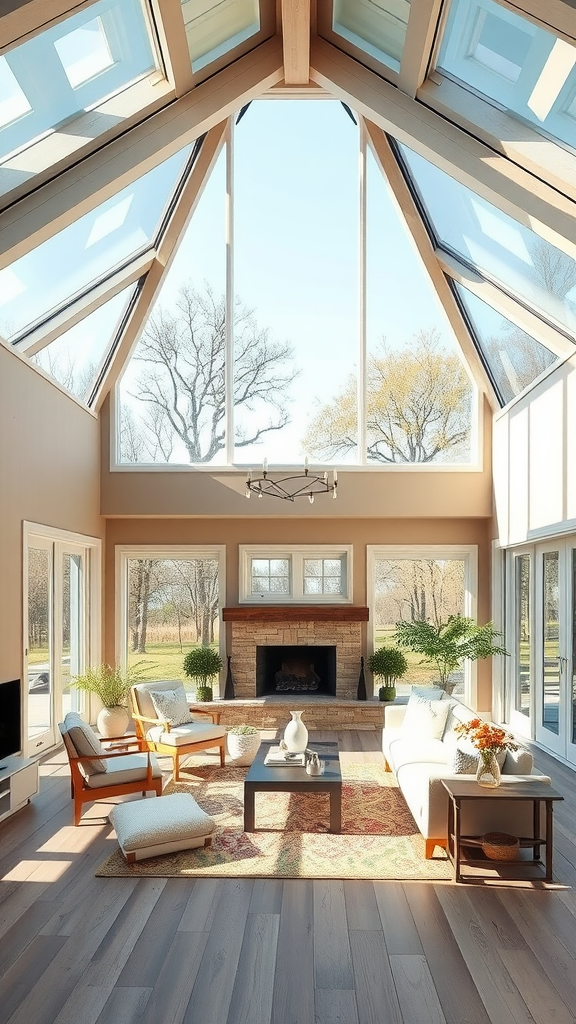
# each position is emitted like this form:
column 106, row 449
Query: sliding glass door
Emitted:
column 62, row 611
column 542, row 641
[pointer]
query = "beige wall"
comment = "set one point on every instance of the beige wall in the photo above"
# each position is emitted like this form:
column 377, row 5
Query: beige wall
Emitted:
column 535, row 460
column 358, row 532
column 382, row 491
column 49, row 459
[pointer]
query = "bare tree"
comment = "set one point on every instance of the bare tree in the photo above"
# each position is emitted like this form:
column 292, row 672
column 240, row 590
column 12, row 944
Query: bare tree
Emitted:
column 418, row 407
column 182, row 383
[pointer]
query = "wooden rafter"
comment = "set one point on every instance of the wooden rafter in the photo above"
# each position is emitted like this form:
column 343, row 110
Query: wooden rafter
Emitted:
column 296, row 41
column 420, row 33
column 184, row 210
column 103, row 174
column 389, row 167
column 522, row 196
column 173, row 44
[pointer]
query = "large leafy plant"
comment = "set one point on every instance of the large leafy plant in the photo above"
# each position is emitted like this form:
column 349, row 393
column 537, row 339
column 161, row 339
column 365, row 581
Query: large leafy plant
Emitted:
column 109, row 683
column 450, row 643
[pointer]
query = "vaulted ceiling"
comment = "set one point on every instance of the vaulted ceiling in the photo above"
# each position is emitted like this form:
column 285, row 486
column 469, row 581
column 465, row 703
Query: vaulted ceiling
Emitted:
column 471, row 104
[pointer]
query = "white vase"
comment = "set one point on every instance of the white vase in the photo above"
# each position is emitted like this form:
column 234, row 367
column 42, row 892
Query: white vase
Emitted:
column 112, row 721
column 243, row 747
column 296, row 734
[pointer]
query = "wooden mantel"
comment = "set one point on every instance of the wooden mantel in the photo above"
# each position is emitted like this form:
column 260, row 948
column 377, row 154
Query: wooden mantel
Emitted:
column 296, row 613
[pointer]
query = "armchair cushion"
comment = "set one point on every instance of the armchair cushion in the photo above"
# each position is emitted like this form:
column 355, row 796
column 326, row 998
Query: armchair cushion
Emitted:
column 125, row 769
column 171, row 706
column 181, row 735
column 85, row 742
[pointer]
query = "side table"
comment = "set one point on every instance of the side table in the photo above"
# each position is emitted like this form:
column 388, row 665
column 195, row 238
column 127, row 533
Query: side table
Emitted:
column 536, row 792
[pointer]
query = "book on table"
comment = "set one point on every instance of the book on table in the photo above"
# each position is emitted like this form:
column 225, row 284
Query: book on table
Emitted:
column 284, row 759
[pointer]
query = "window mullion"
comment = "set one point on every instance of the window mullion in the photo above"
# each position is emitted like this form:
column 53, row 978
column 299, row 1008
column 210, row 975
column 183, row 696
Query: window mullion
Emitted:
column 229, row 343
column 361, row 453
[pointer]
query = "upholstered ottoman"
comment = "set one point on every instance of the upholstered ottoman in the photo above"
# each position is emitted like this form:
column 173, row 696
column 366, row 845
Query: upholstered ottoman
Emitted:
column 149, row 828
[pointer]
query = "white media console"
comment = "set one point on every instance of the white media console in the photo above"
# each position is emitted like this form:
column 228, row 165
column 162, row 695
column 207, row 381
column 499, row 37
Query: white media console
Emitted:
column 18, row 782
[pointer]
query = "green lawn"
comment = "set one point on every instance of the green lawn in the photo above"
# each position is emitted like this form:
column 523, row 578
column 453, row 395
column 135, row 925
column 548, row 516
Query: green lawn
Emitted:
column 162, row 661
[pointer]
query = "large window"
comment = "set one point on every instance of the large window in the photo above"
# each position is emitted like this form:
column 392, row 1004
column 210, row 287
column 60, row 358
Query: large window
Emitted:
column 420, row 584
column 264, row 348
column 171, row 601
column 304, row 574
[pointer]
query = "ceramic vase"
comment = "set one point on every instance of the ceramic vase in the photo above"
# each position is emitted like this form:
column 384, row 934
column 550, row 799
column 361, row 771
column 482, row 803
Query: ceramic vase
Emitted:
column 296, row 734
column 488, row 772
column 112, row 721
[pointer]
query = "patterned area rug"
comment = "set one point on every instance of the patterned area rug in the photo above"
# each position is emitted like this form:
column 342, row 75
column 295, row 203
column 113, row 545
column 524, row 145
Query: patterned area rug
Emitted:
column 379, row 838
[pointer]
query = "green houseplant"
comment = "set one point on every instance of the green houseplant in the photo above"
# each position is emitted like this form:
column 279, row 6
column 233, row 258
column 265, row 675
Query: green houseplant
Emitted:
column 450, row 643
column 243, row 743
column 202, row 664
column 388, row 664
column 110, row 684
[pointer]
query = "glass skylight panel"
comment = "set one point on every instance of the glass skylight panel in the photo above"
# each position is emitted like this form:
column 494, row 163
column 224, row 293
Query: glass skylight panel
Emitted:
column 214, row 27
column 75, row 358
column 87, row 250
column 525, row 69
column 524, row 264
column 84, row 52
column 378, row 27
column 73, row 67
column 13, row 102
column 513, row 357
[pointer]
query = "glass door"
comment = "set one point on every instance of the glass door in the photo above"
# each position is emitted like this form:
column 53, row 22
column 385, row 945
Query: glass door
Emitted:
column 62, row 586
column 552, row 606
column 521, row 647
column 40, row 646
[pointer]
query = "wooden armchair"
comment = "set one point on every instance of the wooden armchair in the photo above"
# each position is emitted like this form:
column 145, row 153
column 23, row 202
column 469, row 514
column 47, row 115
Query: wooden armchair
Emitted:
column 168, row 739
column 99, row 774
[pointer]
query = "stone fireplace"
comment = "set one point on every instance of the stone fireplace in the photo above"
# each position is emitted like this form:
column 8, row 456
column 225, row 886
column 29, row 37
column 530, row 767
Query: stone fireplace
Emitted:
column 327, row 637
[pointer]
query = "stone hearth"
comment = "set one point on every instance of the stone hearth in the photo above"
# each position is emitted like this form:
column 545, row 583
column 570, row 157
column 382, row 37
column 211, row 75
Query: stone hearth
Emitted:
column 291, row 626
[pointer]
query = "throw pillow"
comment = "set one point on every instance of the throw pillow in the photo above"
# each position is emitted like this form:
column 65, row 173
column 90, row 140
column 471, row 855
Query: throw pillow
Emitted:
column 425, row 719
column 171, row 706
column 467, row 756
column 85, row 742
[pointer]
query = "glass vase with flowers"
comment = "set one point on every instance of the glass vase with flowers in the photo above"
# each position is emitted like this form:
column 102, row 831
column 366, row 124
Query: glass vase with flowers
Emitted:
column 489, row 740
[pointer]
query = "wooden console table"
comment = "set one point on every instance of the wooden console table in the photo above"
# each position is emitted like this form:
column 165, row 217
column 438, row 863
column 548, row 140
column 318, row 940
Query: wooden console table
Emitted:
column 536, row 792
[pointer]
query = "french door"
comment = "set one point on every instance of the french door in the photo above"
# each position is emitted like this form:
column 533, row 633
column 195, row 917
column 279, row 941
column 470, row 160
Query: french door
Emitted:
column 61, row 575
column 543, row 663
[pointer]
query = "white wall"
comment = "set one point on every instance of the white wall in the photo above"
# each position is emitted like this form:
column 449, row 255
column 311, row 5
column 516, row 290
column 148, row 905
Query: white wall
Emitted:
column 534, row 460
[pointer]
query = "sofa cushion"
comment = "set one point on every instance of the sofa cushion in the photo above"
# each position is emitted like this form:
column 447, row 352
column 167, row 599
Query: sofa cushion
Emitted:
column 467, row 756
column 85, row 742
column 171, row 706
column 425, row 719
column 409, row 751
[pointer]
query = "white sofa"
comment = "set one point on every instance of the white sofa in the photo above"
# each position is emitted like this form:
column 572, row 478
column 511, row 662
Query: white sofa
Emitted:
column 421, row 761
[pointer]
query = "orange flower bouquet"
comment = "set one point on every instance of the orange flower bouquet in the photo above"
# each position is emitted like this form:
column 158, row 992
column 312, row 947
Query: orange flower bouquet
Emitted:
column 489, row 740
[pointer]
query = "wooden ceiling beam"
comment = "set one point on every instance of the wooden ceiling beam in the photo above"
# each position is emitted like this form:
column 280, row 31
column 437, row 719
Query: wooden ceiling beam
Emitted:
column 103, row 174
column 296, row 41
column 512, row 189
column 389, row 166
column 183, row 212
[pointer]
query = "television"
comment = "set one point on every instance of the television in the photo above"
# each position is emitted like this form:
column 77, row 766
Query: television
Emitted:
column 10, row 719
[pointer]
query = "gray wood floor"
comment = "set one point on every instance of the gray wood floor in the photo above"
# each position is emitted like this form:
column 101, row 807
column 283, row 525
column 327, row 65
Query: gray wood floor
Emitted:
column 75, row 949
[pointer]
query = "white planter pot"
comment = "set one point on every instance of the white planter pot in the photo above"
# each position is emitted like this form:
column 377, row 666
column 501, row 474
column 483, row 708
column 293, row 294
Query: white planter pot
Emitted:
column 242, row 748
column 112, row 721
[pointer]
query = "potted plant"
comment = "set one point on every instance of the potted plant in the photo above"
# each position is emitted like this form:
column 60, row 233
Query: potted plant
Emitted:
column 110, row 684
column 202, row 664
column 449, row 644
column 243, row 743
column 388, row 664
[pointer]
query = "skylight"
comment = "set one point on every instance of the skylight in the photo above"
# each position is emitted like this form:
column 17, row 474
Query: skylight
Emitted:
column 378, row 27
column 214, row 27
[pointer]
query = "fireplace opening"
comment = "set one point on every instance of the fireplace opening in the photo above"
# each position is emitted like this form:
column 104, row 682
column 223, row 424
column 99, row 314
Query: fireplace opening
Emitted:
column 309, row 670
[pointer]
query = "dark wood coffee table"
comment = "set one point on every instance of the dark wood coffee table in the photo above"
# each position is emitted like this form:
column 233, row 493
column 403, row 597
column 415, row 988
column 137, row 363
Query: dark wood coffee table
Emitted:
column 262, row 778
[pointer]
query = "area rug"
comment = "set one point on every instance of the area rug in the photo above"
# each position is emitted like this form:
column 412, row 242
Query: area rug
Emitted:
column 379, row 838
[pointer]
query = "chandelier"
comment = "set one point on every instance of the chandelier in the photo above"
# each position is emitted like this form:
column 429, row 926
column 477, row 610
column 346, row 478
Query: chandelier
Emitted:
column 297, row 485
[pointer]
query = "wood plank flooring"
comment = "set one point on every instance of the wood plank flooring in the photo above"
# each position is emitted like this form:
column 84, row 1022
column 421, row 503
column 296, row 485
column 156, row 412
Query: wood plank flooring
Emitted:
column 75, row 949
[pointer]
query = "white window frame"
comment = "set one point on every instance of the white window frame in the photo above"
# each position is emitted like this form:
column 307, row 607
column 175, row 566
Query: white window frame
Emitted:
column 126, row 552
column 296, row 555
column 468, row 553
column 59, row 542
